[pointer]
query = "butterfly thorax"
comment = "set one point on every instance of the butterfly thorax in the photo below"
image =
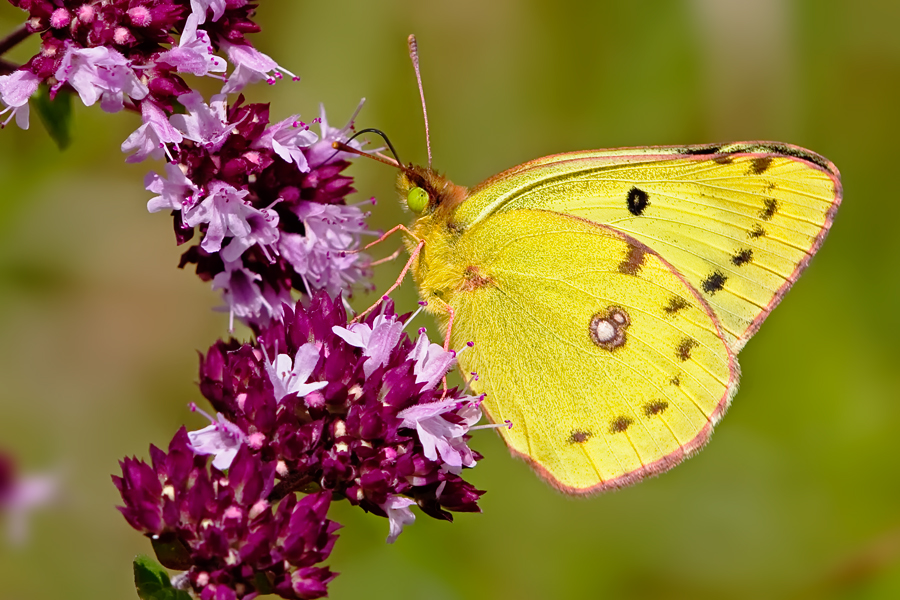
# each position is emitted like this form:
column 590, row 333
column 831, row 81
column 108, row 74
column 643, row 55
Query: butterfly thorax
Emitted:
column 438, row 268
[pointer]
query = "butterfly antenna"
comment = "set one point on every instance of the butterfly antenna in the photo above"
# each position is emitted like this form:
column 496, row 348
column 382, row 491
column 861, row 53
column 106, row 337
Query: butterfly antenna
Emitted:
column 345, row 147
column 380, row 134
column 414, row 55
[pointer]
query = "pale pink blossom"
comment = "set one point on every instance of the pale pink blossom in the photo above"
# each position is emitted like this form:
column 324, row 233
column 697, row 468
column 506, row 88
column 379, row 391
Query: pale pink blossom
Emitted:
column 226, row 213
column 377, row 340
column 99, row 74
column 242, row 295
column 175, row 191
column 194, row 54
column 220, row 438
column 263, row 232
column 205, row 124
column 324, row 257
column 150, row 139
column 198, row 13
column 27, row 494
column 432, row 361
column 399, row 515
column 322, row 151
column 290, row 377
column 251, row 66
column 286, row 138
column 15, row 90
column 443, row 438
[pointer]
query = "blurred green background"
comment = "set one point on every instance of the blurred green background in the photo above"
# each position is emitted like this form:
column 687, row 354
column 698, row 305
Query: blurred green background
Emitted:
column 796, row 496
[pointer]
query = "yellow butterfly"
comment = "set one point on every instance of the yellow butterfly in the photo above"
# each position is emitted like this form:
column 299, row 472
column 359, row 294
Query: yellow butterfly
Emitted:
column 607, row 292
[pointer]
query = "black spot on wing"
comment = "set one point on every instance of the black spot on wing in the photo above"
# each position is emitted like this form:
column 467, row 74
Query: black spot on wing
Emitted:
column 579, row 436
column 742, row 257
column 676, row 381
column 714, row 282
column 620, row 424
column 654, row 408
column 683, row 351
column 756, row 232
column 760, row 165
column 675, row 304
column 637, row 201
column 724, row 159
column 771, row 207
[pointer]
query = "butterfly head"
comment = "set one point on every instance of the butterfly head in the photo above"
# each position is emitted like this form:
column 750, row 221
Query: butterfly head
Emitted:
column 425, row 191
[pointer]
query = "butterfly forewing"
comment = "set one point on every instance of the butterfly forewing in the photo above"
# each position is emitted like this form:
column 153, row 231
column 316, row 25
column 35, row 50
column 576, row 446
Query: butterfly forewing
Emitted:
column 738, row 222
column 608, row 364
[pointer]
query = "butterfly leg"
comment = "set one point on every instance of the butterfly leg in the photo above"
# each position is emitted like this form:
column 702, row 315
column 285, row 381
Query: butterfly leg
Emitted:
column 452, row 314
column 396, row 284
column 386, row 259
column 385, row 236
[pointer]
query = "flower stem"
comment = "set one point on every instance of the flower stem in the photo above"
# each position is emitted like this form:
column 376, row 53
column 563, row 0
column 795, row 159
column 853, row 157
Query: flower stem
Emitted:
column 7, row 67
column 289, row 484
column 19, row 34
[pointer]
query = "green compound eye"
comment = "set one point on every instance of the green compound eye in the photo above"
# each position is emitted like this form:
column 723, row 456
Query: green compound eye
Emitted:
column 417, row 200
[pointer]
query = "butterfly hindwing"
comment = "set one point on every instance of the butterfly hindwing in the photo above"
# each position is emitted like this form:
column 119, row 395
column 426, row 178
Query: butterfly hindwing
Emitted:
column 739, row 222
column 606, row 361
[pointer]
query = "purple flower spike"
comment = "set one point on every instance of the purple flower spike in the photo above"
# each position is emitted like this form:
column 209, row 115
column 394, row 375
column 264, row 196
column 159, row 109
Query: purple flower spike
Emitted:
column 223, row 531
column 15, row 90
column 310, row 416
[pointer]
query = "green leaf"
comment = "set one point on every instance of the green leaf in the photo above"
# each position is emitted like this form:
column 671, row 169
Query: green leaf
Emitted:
column 152, row 581
column 56, row 114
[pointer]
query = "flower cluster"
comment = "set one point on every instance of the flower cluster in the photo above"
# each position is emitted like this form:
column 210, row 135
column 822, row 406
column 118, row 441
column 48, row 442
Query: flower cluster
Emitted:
column 314, row 405
column 22, row 494
column 222, row 528
column 123, row 51
column 268, row 198
column 334, row 410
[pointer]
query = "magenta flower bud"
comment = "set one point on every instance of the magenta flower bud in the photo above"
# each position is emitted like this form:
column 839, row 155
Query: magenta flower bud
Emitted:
column 139, row 16
column 60, row 18
column 85, row 13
